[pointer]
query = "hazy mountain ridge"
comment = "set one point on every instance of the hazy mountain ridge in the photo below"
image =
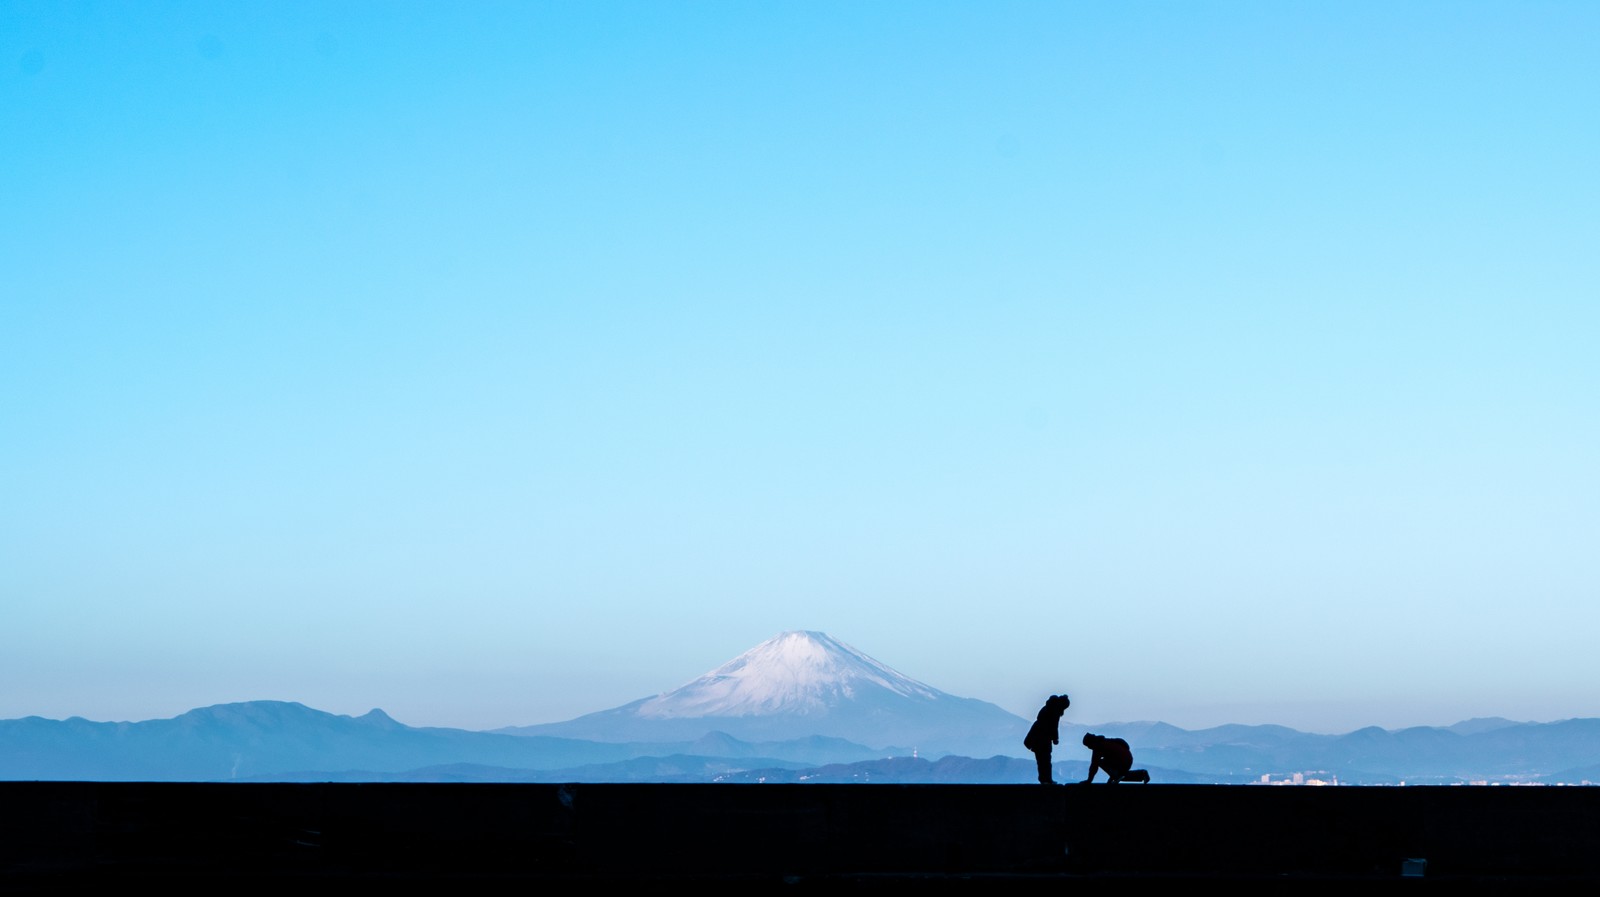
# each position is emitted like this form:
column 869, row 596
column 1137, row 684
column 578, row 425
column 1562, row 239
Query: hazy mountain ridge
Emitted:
column 800, row 707
column 285, row 741
column 231, row 741
column 271, row 740
column 1512, row 751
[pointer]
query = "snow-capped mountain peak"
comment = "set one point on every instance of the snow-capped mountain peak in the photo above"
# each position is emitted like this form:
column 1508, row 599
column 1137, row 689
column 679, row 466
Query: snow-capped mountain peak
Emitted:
column 797, row 672
column 801, row 685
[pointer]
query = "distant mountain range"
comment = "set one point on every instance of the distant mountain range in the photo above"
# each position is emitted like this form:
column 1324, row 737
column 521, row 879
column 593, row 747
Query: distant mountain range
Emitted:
column 801, row 707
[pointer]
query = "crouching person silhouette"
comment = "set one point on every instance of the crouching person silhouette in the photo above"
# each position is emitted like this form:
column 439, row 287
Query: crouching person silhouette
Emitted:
column 1114, row 756
column 1046, row 731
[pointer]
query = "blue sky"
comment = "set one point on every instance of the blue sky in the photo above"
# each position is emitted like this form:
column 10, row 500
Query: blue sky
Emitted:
column 494, row 363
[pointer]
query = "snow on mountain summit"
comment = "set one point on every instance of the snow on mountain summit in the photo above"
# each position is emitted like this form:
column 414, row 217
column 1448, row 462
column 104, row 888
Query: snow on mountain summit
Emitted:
column 802, row 685
column 796, row 672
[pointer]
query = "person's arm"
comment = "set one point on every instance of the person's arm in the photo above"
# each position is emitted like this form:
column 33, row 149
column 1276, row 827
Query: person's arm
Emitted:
column 1094, row 767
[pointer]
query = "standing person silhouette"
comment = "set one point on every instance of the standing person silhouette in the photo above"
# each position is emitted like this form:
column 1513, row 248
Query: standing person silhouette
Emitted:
column 1115, row 757
column 1046, row 731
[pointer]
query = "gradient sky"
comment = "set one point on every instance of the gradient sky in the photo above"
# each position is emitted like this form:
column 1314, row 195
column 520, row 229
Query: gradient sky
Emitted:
column 494, row 363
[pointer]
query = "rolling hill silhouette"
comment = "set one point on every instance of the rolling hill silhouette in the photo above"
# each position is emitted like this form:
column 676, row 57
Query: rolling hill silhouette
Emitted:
column 800, row 707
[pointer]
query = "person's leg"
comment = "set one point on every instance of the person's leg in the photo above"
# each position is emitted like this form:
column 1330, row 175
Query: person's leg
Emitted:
column 1042, row 757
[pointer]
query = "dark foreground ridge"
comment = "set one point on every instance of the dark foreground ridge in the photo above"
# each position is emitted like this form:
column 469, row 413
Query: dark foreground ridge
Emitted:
column 67, row 836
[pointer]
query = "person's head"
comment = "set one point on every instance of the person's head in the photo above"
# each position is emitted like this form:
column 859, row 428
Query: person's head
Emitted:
column 1092, row 741
column 1058, row 702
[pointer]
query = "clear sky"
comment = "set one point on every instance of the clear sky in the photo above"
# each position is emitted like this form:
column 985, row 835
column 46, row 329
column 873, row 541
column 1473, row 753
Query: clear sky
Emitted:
column 494, row 363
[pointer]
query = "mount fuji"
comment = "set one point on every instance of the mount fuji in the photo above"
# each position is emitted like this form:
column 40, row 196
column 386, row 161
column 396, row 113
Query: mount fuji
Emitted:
column 804, row 684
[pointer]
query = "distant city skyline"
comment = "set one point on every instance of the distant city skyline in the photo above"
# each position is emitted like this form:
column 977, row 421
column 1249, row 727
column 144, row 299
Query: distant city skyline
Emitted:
column 496, row 363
